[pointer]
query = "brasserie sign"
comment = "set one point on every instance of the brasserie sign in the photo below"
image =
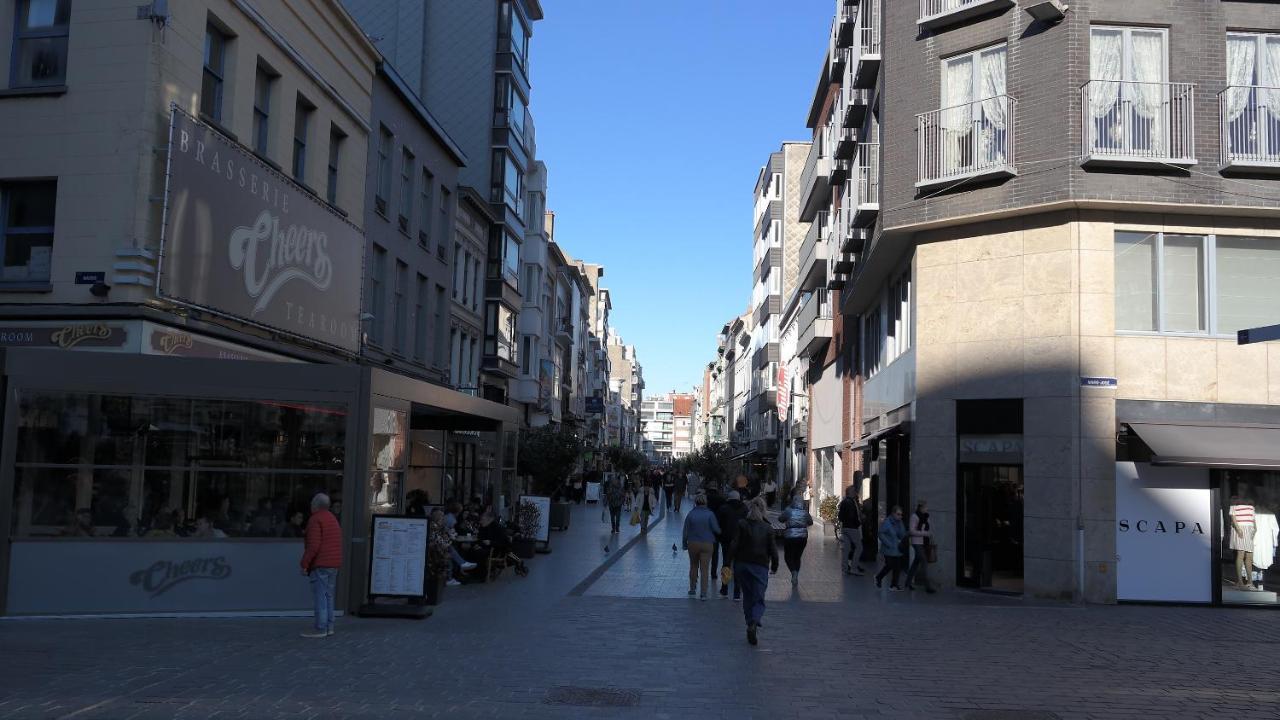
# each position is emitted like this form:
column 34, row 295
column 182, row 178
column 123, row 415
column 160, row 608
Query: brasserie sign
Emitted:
column 242, row 240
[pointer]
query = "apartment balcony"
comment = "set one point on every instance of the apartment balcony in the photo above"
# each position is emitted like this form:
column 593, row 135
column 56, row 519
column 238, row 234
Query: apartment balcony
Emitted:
column 814, row 182
column 842, row 263
column 854, row 102
column 973, row 140
column 813, row 254
column 867, row 185
column 771, row 305
column 840, row 59
column 814, row 321
column 846, row 22
column 771, row 258
column 1250, row 130
column 844, row 139
column 766, row 354
column 937, row 14
column 867, row 35
column 837, row 281
column 840, row 170
column 1143, row 124
column 564, row 331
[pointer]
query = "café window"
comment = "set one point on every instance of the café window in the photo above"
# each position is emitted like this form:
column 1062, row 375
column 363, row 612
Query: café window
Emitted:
column 40, row 43
column 91, row 465
column 1195, row 284
column 26, row 230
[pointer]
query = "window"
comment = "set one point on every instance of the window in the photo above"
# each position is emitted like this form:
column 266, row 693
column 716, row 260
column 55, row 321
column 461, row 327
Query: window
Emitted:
column 442, row 315
column 455, row 358
column 516, row 32
column 898, row 320
column 475, row 284
column 511, row 259
column 457, row 270
column 336, row 137
column 377, row 283
column 26, row 230
column 510, row 107
column 526, row 354
column 301, row 126
column 420, row 324
column 500, row 332
column 1127, row 99
column 466, row 278
column 262, row 110
column 446, row 202
column 872, row 347
column 1195, row 284
column 385, row 140
column 973, row 116
column 40, row 43
column 406, row 188
column 215, row 61
column 424, row 218
column 398, row 307
column 1251, row 104
column 508, row 182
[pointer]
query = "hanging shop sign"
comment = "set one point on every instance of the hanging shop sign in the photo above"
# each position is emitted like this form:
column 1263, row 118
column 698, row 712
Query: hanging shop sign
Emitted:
column 172, row 342
column 72, row 336
column 244, row 241
column 784, row 393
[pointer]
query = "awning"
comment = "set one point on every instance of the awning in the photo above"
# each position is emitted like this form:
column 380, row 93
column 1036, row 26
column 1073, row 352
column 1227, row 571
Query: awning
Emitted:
column 1242, row 446
column 902, row 428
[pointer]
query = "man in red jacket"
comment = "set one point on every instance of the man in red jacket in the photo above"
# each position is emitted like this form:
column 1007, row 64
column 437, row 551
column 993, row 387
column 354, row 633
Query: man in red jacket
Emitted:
column 320, row 562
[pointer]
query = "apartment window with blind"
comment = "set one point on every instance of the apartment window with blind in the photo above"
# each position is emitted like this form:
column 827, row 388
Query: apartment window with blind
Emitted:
column 424, row 216
column 383, row 193
column 457, row 270
column 420, row 318
column 264, row 83
column 405, row 211
column 377, row 288
column 215, row 62
column 442, row 321
column 301, row 132
column 336, row 138
column 399, row 310
column 1195, row 284
column 446, row 202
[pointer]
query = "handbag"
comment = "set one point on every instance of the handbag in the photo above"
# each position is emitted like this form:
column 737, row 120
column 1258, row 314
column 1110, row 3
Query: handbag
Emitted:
column 931, row 553
column 726, row 575
column 635, row 517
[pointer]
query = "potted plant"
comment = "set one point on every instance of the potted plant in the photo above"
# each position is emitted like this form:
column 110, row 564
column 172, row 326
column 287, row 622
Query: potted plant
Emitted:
column 528, row 518
column 548, row 455
column 438, row 563
column 828, row 510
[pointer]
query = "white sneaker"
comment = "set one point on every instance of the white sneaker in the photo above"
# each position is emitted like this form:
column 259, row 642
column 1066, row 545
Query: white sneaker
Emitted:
column 330, row 633
column 452, row 582
column 315, row 634
column 468, row 566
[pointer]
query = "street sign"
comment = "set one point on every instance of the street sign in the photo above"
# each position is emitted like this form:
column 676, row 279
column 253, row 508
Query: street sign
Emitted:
column 1257, row 335
column 90, row 277
column 1097, row 382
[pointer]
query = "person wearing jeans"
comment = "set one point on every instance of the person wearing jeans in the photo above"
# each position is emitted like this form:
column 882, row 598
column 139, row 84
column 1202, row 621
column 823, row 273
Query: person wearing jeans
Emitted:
column 320, row 562
column 753, row 551
column 797, row 520
column 700, row 531
column 892, row 533
column 850, row 530
column 921, row 536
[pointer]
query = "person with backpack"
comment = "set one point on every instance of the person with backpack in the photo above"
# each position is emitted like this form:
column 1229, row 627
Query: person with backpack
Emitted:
column 921, row 539
column 892, row 536
column 850, row 529
column 797, row 520
column 753, row 549
column 614, row 496
column 732, row 511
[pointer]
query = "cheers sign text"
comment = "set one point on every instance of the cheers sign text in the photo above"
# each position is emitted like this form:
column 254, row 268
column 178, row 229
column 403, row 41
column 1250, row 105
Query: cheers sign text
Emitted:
column 271, row 256
column 162, row 575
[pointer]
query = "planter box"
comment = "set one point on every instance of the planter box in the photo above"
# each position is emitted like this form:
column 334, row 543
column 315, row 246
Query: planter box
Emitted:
column 435, row 589
column 560, row 516
column 523, row 549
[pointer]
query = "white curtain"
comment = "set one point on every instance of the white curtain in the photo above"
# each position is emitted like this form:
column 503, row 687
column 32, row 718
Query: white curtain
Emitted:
column 1242, row 54
column 1272, row 80
column 957, row 115
column 995, row 106
column 1105, row 52
column 1149, row 93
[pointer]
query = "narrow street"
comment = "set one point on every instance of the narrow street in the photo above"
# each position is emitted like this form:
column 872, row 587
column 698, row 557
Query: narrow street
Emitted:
column 595, row 634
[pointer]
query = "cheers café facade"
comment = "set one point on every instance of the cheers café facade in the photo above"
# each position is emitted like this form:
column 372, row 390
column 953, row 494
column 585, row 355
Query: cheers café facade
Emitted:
column 171, row 405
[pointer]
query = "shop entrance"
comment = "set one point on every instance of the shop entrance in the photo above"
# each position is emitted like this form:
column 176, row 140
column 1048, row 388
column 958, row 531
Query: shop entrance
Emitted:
column 989, row 541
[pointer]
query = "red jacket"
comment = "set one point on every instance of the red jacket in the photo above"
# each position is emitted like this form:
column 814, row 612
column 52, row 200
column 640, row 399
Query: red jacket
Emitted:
column 324, row 542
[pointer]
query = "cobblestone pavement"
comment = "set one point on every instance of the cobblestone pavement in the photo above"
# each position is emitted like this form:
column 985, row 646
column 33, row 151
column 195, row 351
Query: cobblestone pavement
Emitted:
column 628, row 640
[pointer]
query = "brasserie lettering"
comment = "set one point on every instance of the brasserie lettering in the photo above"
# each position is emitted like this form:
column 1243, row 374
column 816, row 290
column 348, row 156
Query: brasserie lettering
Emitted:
column 237, row 173
column 1176, row 527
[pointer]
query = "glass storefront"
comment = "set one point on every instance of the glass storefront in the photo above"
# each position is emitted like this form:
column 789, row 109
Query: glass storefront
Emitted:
column 990, row 552
column 1249, row 503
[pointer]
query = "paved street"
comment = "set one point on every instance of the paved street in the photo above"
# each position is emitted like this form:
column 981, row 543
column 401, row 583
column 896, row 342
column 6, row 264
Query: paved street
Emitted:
column 548, row 644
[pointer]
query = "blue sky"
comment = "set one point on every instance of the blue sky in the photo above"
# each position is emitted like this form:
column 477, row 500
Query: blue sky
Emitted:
column 653, row 119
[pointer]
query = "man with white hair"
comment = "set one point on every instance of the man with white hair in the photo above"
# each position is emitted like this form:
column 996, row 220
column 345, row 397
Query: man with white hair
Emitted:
column 321, row 561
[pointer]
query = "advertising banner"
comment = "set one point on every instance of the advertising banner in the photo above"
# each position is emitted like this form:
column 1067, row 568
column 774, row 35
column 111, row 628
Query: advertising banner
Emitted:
column 1163, row 521
column 242, row 240
column 784, row 393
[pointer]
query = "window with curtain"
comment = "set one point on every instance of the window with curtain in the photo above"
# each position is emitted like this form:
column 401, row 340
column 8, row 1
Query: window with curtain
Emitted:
column 1127, row 98
column 974, row 116
column 1251, row 106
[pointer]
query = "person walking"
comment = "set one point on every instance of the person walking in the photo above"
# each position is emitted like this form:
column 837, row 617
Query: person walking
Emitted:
column 753, row 550
column 850, row 530
column 921, row 538
column 669, row 487
column 769, row 489
column 682, row 485
column 614, row 495
column 646, row 501
column 321, row 559
column 796, row 519
column 700, row 531
column 714, row 501
column 892, row 533
column 732, row 511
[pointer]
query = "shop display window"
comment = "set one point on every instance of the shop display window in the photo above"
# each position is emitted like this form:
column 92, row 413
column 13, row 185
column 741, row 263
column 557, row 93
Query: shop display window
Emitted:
column 1250, row 506
column 92, row 465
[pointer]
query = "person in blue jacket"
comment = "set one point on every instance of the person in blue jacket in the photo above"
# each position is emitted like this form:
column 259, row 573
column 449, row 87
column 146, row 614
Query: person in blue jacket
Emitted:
column 892, row 533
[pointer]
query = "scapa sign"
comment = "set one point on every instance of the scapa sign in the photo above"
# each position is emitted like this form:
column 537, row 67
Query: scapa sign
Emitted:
column 162, row 575
column 245, row 241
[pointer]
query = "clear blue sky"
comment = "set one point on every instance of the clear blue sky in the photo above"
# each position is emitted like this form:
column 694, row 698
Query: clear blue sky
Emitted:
column 654, row 119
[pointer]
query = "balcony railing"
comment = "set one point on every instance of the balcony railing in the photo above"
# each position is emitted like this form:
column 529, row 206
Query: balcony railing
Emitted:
column 1250, row 127
column 813, row 254
column 940, row 13
column 867, row 189
column 1145, row 123
column 966, row 141
column 814, row 179
column 868, row 43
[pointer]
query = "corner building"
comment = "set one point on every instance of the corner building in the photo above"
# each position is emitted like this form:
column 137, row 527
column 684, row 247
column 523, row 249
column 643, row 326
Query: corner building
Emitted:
column 1066, row 225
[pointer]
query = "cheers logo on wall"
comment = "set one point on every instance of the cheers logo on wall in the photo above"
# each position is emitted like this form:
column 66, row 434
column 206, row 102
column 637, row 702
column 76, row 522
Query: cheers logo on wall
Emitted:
column 294, row 253
column 73, row 335
column 162, row 575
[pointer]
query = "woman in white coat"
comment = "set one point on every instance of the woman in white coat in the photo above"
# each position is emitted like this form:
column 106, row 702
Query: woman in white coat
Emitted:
column 644, row 504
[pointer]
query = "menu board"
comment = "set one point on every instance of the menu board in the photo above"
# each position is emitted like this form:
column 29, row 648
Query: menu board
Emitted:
column 398, row 556
column 593, row 492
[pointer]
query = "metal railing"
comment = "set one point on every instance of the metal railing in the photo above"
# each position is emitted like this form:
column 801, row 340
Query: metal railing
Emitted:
column 868, row 175
column 1127, row 120
column 868, row 31
column 1250, row 116
column 936, row 8
column 966, row 140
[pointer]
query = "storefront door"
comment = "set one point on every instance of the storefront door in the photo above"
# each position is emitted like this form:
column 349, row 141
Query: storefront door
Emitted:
column 989, row 533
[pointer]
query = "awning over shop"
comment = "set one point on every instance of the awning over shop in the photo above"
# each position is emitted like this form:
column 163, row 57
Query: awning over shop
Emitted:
column 1243, row 446
column 902, row 428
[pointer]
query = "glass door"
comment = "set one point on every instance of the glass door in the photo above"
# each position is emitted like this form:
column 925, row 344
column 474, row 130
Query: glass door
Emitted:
column 989, row 542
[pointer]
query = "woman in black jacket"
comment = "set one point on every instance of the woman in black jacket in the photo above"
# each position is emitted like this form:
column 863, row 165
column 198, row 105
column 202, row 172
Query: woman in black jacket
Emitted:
column 753, row 550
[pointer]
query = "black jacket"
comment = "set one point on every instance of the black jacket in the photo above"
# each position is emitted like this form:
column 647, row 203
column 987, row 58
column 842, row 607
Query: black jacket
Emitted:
column 729, row 514
column 849, row 515
column 754, row 543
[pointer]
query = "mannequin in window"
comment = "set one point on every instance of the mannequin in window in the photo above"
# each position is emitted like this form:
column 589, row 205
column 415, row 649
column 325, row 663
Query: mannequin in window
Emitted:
column 1265, row 539
column 1243, row 529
